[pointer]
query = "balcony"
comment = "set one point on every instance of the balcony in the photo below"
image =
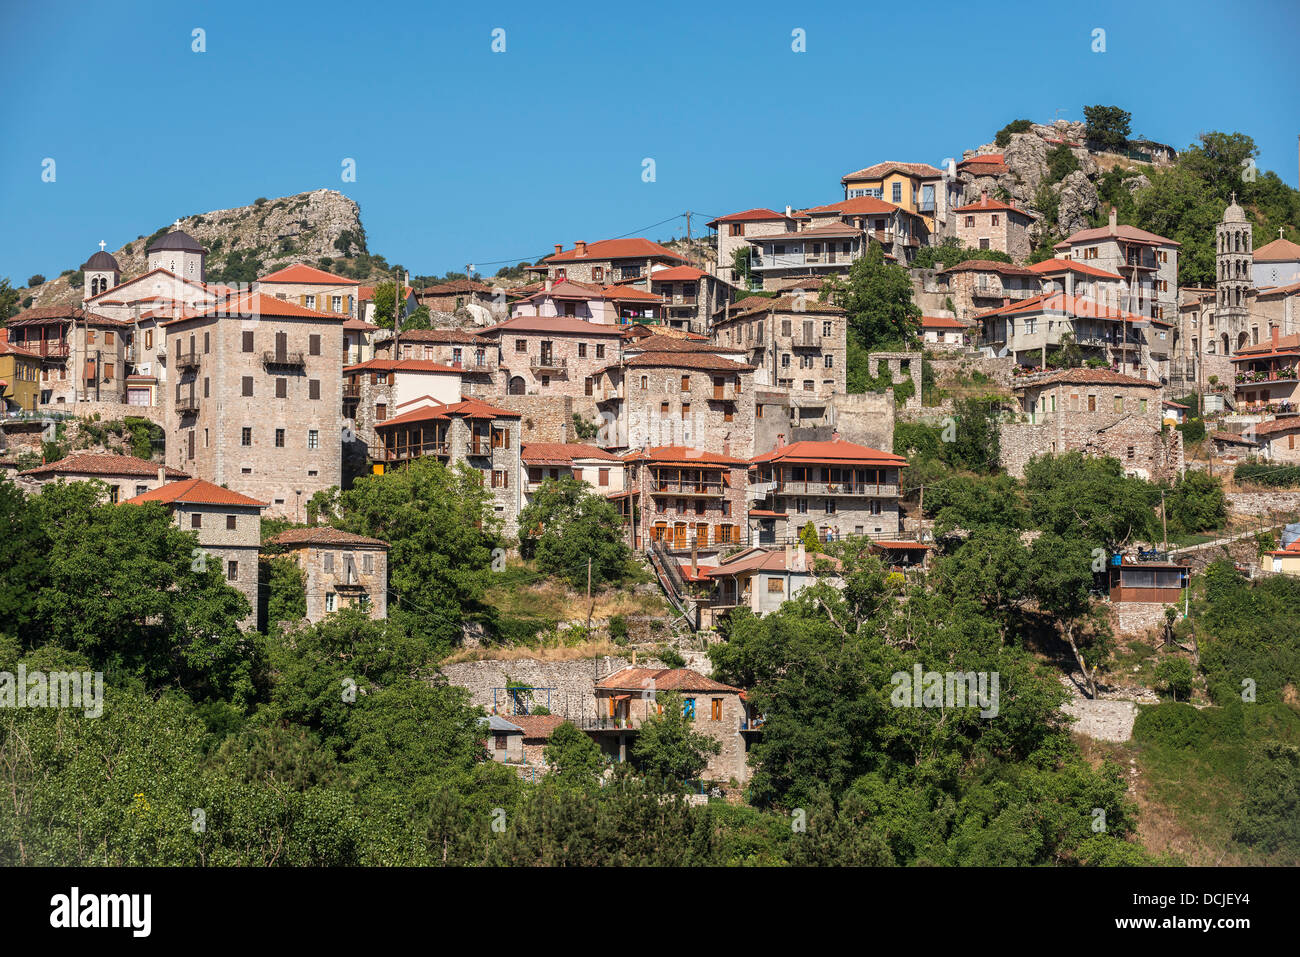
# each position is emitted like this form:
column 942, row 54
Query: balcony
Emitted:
column 284, row 358
column 187, row 403
column 54, row 348
column 799, row 260
column 187, row 360
column 476, row 364
column 1263, row 377
column 545, row 363
column 1003, row 292
column 688, row 489
column 401, row 453
column 837, row 488
column 352, row 391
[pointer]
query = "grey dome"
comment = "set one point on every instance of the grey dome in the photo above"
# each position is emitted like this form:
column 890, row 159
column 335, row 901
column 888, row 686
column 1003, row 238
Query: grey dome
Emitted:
column 179, row 241
column 1234, row 213
column 102, row 261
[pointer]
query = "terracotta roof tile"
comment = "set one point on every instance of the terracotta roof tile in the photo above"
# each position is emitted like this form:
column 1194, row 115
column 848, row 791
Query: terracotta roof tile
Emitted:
column 103, row 463
column 1083, row 377
column 1278, row 251
column 605, row 249
column 660, row 679
column 195, row 492
column 681, row 455
column 308, row 275
column 880, row 169
column 562, row 453
column 834, row 451
column 552, row 324
column 324, row 535
column 747, row 216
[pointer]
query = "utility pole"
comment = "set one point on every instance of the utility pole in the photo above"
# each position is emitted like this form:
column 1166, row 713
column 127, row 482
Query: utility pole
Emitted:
column 397, row 322
column 591, row 606
column 688, row 226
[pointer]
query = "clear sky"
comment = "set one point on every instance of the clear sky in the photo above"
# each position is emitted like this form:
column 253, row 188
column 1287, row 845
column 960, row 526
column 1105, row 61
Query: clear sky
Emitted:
column 466, row 155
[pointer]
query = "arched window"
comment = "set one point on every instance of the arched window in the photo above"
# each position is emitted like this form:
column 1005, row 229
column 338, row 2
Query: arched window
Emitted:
column 517, row 385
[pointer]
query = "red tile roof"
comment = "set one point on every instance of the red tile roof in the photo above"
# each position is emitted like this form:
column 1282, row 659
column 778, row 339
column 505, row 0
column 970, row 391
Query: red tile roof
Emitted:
column 309, row 275
column 1048, row 266
column 255, row 304
column 941, row 322
column 31, row 317
column 1285, row 345
column 562, row 453
column 1278, row 251
column 748, row 215
column 326, row 536
column 631, row 293
column 773, row 561
column 660, row 679
column 876, row 171
column 552, row 325
column 1119, row 232
column 103, row 463
column 985, row 158
column 752, row 305
column 989, row 265
column 540, row 726
column 456, row 336
column 637, row 248
column 402, row 365
column 1069, row 305
column 681, row 455
column 686, row 360
column 195, row 492
column 991, row 206
column 858, row 206
column 836, row 451
column 1284, row 424
column 469, row 408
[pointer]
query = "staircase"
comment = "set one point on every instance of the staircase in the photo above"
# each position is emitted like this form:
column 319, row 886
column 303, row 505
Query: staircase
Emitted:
column 674, row 586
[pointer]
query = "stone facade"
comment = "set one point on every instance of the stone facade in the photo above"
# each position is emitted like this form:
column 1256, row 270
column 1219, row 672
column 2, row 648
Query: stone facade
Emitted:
column 1148, row 263
column 990, row 224
column 257, row 402
column 552, row 356
column 977, row 285
column 690, row 297
column 607, row 261
column 796, row 343
column 690, row 500
column 340, row 569
column 734, row 232
column 1096, row 412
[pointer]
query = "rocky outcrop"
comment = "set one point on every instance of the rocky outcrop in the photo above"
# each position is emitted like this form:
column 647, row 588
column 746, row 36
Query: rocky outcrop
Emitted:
column 1076, row 199
column 1026, row 159
column 305, row 227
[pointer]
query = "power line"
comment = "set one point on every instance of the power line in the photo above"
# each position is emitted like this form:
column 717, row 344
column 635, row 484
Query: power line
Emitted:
column 640, row 229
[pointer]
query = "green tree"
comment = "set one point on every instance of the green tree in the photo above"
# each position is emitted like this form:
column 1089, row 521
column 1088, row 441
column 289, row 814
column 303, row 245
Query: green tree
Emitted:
column 573, row 755
column 565, row 525
column 1175, row 674
column 8, row 301
column 1061, row 162
column 878, row 299
column 668, row 749
column 1107, row 127
column 1003, row 137
column 1196, row 503
column 286, row 591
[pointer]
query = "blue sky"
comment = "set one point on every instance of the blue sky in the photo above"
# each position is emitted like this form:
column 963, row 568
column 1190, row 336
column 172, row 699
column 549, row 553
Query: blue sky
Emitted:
column 465, row 155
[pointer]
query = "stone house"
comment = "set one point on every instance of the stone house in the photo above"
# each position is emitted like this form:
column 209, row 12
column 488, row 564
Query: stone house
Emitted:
column 228, row 526
column 842, row 488
column 690, row 296
column 481, row 301
column 607, row 261
column 1267, row 376
column 84, row 355
column 794, row 342
column 607, row 305
column 629, row 696
column 548, row 356
column 1097, row 412
column 601, row 470
column 379, row 389
column 256, row 396
column 506, row 742
column 918, row 188
column 341, row 569
column 688, row 500
column 676, row 392
column 977, row 285
column 992, row 224
column 763, row 578
column 125, row 475
column 944, row 332
column 1279, row 439
column 312, row 289
column 734, row 232
column 483, row 436
column 358, row 341
column 1148, row 263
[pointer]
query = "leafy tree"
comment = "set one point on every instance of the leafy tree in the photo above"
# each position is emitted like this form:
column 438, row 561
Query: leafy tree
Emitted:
column 976, row 442
column 740, row 265
column 35, row 280
column 573, row 755
column 1003, row 136
column 1196, row 503
column 382, row 298
column 1176, row 676
column 878, row 299
column 808, row 537
column 668, row 749
column 565, row 525
column 8, row 300
column 1107, row 127
column 1060, row 576
column 1269, row 814
column 441, row 529
column 286, row 591
column 418, row 319
column 1061, row 162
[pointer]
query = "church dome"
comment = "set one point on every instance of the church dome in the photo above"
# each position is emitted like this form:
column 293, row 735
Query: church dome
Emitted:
column 101, row 261
column 1234, row 213
column 177, row 240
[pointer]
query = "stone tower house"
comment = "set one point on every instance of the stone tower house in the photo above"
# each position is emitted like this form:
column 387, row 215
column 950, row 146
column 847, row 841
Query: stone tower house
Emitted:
column 1233, row 260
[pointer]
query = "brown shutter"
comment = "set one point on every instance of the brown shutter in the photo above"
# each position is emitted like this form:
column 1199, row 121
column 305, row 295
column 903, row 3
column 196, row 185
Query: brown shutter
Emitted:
column 313, row 388
column 281, row 388
column 302, row 300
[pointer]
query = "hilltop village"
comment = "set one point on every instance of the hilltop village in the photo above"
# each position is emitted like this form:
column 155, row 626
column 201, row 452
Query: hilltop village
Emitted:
column 707, row 399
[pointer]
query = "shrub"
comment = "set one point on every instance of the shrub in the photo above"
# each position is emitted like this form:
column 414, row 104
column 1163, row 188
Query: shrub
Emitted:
column 1175, row 674
column 1015, row 126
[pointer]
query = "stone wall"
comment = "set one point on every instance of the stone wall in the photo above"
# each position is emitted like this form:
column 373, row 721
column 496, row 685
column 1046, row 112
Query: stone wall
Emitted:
column 997, row 369
column 901, row 365
column 1264, row 502
column 547, row 418
column 574, row 682
column 1157, row 454
column 866, row 418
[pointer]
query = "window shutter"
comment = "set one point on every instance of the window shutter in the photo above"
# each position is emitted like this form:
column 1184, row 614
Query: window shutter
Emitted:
column 302, row 300
column 313, row 388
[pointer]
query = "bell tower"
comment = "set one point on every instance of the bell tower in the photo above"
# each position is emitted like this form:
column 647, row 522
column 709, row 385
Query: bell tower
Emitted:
column 1234, row 263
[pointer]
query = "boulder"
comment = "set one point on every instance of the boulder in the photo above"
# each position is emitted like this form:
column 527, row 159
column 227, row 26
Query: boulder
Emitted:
column 1076, row 202
column 1026, row 159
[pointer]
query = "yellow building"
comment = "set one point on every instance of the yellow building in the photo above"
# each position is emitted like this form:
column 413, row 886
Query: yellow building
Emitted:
column 914, row 187
column 1286, row 561
column 20, row 377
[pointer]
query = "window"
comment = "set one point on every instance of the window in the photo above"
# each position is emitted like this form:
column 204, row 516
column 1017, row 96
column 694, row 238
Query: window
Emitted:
column 313, row 388
column 279, row 438
column 582, row 353
column 995, row 219
column 1119, row 403
column 248, row 385
column 206, row 387
column 108, row 370
column 309, row 302
column 603, row 476
column 521, row 345
column 598, row 273
column 327, row 561
column 1092, row 403
column 313, row 439
column 230, row 523
column 148, row 339
column 381, row 411
column 281, row 388
column 600, row 352
column 688, row 709
column 717, row 709
column 331, row 601
column 686, row 411
column 246, row 436
column 984, row 244
column 232, row 571
column 108, row 338
column 775, row 586
column 141, row 489
column 663, row 408
column 500, row 478
column 645, row 383
column 896, row 194
column 313, row 342
column 830, row 506
column 367, row 564
column 336, row 303
column 196, row 520
column 686, row 383
column 736, row 229
column 970, row 222
column 589, row 386
column 801, row 506
column 830, row 361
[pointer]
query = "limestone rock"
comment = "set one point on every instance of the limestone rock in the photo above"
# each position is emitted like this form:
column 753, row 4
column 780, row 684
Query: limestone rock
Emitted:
column 1026, row 158
column 1076, row 201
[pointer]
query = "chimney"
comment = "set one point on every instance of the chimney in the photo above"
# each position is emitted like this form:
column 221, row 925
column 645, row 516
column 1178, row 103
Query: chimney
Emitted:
column 581, row 247
column 1006, row 300
column 162, row 469
column 789, row 554
column 633, row 657
column 558, row 248
column 835, row 435
column 1274, row 330
column 984, row 197
column 789, row 212
column 549, row 285
column 780, row 440
column 1114, row 218
column 800, row 559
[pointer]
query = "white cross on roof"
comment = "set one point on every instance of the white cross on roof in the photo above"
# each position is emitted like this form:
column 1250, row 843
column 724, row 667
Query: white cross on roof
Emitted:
column 101, row 245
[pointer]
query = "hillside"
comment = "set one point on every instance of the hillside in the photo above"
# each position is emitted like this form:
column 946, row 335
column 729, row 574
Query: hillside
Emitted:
column 247, row 241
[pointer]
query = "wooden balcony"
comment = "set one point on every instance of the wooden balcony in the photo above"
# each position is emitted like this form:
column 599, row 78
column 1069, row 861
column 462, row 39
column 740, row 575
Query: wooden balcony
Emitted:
column 187, row 403
column 284, row 358
column 187, row 360
column 402, row 453
column 549, row 364
column 869, row 489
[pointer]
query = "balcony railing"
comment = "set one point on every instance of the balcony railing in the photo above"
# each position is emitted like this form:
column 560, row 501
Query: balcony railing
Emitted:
column 352, row 391
column 688, row 488
column 400, row 453
column 283, row 358
column 55, row 348
column 187, row 403
column 549, row 363
column 837, row 488
column 187, row 360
